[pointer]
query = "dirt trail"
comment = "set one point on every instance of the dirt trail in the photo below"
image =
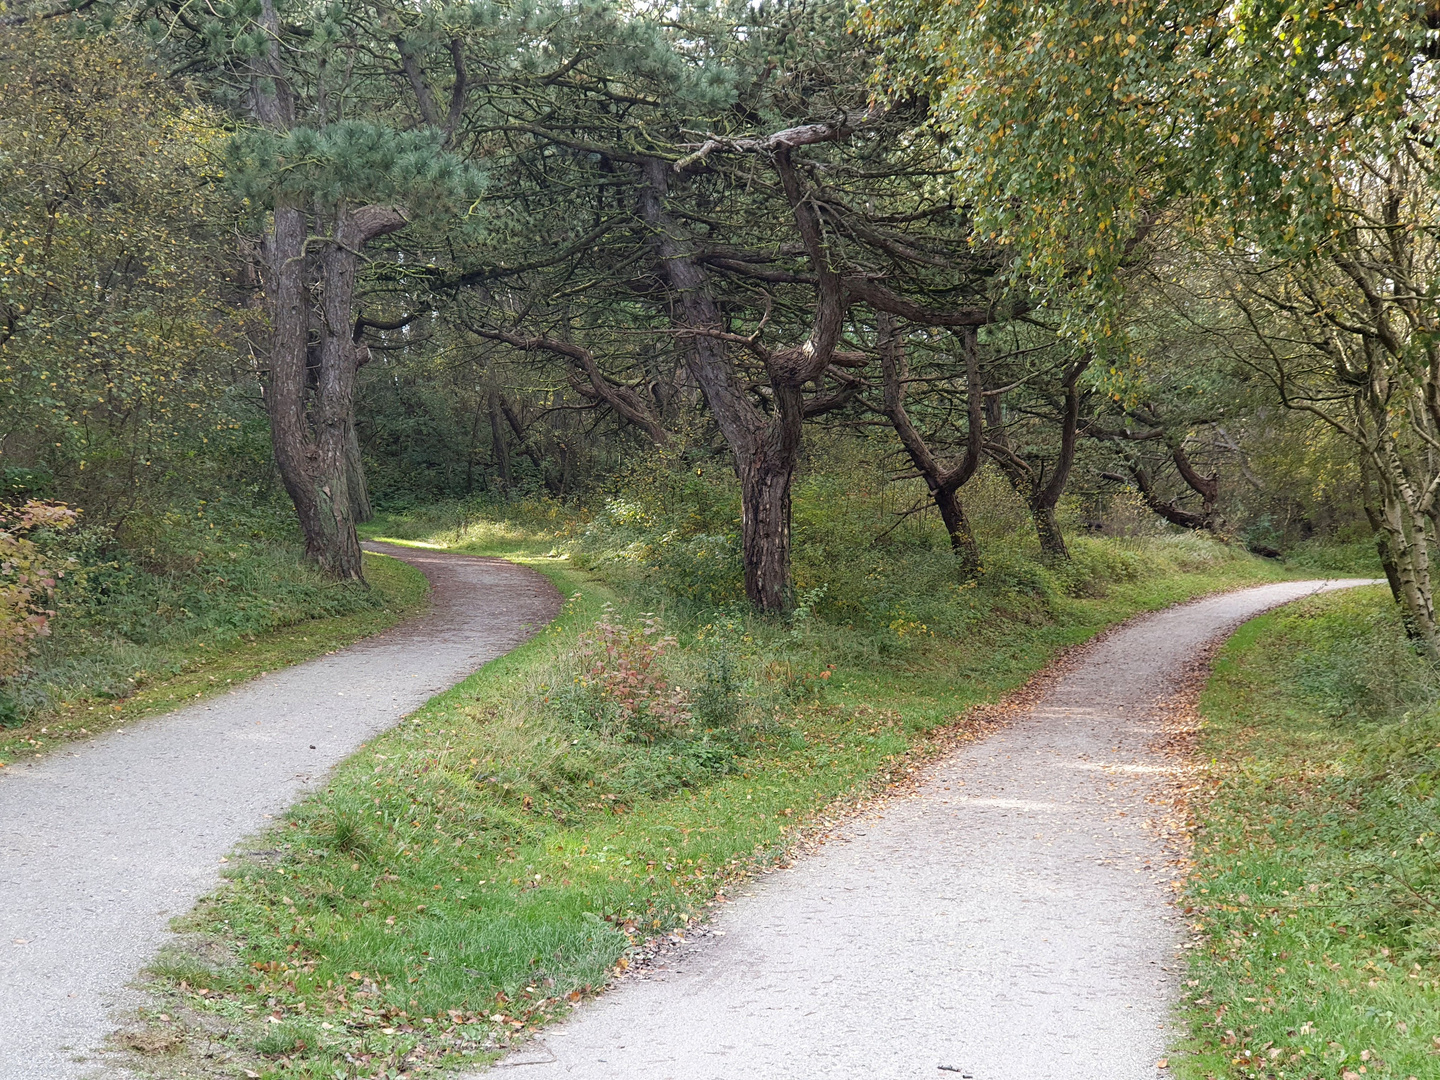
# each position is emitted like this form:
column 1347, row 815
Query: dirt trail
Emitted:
column 1010, row 921
column 101, row 846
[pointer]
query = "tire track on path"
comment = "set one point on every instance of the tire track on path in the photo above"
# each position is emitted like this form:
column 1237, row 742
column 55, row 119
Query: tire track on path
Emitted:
column 1008, row 921
column 102, row 845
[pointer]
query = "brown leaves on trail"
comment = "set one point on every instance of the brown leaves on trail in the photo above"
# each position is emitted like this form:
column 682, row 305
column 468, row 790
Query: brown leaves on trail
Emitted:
column 1183, row 782
column 149, row 1040
column 903, row 775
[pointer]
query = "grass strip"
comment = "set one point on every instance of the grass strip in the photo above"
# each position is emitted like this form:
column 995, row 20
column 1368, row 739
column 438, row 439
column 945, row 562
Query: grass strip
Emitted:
column 202, row 669
column 464, row 879
column 1314, row 901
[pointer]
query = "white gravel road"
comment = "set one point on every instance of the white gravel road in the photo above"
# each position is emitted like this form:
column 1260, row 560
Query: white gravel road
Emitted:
column 101, row 845
column 1010, row 921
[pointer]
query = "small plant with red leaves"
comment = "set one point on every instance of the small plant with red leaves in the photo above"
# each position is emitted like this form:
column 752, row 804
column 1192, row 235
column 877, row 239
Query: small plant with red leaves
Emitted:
column 622, row 664
column 27, row 579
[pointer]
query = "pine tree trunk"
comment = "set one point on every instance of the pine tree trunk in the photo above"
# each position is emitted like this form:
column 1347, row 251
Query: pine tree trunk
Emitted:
column 337, row 549
column 765, row 500
column 944, row 484
column 765, row 449
column 1045, row 499
column 499, row 448
column 1047, row 529
column 360, row 507
column 312, row 431
column 765, row 481
column 287, row 300
column 957, row 524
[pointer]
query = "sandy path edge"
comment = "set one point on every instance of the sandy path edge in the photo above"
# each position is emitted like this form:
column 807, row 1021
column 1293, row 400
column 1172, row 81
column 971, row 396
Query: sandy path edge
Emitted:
column 101, row 845
column 1009, row 920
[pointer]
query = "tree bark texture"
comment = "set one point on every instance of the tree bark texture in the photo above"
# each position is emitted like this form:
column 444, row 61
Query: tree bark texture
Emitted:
column 308, row 263
column 499, row 447
column 765, row 450
column 312, row 414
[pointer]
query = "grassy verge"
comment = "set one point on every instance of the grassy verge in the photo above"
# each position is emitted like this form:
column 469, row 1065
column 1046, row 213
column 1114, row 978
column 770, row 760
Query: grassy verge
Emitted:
column 198, row 668
column 1315, row 899
column 474, row 872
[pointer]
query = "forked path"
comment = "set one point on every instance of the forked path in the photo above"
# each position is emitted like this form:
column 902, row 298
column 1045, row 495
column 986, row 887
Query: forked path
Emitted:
column 1008, row 922
column 101, row 846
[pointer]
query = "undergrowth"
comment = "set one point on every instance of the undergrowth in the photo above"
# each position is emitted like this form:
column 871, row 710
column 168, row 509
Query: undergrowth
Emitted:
column 473, row 873
column 185, row 606
column 1319, row 854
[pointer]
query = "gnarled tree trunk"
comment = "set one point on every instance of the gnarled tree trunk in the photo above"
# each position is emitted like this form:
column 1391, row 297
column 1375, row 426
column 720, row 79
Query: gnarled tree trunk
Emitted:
column 499, row 446
column 312, row 429
column 1041, row 493
column 764, row 459
column 944, row 483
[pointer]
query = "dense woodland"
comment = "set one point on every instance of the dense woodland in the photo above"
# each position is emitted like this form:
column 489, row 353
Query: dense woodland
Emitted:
column 269, row 268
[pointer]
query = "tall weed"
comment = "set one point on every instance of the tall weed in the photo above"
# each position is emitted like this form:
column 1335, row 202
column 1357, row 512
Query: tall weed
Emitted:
column 625, row 714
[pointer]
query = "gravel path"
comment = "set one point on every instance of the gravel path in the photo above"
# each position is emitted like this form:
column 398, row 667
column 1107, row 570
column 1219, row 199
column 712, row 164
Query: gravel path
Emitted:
column 1010, row 921
column 101, row 846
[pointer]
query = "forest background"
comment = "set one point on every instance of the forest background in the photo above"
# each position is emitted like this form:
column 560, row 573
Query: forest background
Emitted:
column 828, row 336
column 652, row 270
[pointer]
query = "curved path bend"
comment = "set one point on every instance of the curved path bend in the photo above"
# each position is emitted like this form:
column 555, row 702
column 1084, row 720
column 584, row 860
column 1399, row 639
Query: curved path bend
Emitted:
column 102, row 845
column 1010, row 921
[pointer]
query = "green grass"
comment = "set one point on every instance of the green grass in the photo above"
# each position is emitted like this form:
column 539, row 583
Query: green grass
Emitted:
column 193, row 669
column 1316, row 898
column 473, row 872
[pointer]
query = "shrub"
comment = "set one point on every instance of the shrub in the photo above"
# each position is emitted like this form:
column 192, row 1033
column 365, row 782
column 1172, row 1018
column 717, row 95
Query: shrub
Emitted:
column 1358, row 664
column 131, row 610
column 27, row 579
column 622, row 668
column 628, row 714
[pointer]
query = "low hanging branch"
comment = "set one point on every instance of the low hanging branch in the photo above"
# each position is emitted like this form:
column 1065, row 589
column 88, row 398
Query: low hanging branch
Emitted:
column 1207, row 487
column 589, row 380
column 780, row 141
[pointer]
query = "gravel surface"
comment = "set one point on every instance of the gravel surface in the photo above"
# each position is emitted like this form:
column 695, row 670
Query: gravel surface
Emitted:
column 102, row 845
column 1009, row 921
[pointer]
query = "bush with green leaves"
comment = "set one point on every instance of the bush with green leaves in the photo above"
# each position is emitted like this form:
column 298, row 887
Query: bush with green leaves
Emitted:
column 630, row 713
column 869, row 565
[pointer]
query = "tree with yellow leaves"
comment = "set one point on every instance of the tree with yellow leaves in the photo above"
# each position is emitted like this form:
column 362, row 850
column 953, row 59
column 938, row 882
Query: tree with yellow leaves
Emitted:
column 117, row 341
